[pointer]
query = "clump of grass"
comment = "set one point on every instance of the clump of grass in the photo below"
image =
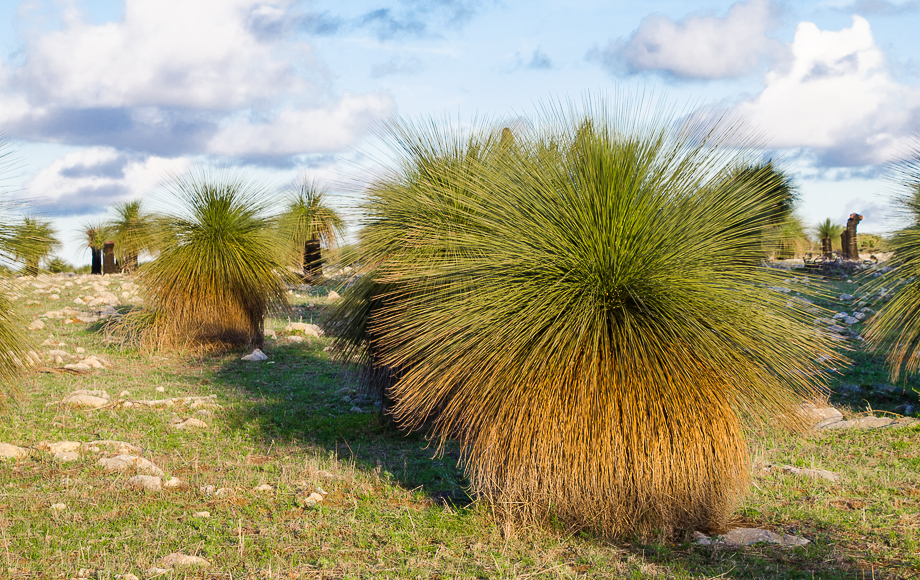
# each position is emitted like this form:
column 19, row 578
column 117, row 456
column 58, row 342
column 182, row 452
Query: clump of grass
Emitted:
column 219, row 271
column 583, row 310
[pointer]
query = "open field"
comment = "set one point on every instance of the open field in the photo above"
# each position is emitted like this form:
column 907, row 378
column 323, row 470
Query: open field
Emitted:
column 279, row 430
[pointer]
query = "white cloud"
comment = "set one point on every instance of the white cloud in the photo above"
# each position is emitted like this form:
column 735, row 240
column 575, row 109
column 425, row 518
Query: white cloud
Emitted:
column 88, row 180
column 294, row 131
column 171, row 53
column 836, row 97
column 700, row 47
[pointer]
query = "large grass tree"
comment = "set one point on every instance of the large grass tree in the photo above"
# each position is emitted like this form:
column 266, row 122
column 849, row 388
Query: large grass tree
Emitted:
column 582, row 308
column 33, row 240
column 219, row 272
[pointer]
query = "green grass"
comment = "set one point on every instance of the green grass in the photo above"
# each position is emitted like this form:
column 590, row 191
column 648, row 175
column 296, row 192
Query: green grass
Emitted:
column 282, row 422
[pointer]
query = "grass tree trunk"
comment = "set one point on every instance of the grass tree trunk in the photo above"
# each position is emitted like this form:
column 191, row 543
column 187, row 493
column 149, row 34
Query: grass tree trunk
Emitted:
column 108, row 259
column 826, row 247
column 96, row 267
column 312, row 260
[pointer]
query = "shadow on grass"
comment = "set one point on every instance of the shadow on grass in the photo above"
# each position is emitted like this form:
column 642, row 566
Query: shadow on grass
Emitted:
column 300, row 395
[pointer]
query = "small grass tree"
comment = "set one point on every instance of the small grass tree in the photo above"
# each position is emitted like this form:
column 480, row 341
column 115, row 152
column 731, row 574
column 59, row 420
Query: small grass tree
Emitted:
column 309, row 224
column 218, row 273
column 33, row 240
column 584, row 311
column 94, row 235
column 134, row 231
column 827, row 231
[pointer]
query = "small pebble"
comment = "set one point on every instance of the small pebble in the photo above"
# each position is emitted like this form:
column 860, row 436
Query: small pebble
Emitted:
column 58, row 507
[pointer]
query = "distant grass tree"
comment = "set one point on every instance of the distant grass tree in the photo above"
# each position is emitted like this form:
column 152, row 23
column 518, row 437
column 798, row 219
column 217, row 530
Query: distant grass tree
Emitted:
column 33, row 240
column 827, row 231
column 310, row 224
column 94, row 235
column 134, row 231
column 218, row 273
column 582, row 309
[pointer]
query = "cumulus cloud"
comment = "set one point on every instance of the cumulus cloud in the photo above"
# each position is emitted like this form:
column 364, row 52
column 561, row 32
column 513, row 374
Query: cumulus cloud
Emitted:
column 87, row 181
column 837, row 98
column 699, row 46
column 294, row 131
column 171, row 76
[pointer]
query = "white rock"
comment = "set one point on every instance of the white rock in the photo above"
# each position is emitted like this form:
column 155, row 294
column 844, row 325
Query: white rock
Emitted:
column 850, row 320
column 172, row 482
column 123, row 462
column 78, row 366
column 65, row 456
column 177, row 560
column 153, row 571
column 860, row 423
column 310, row 501
column 8, row 451
column 58, row 352
column 88, row 401
column 54, row 297
column 145, row 482
column 746, row 536
column 264, row 487
column 257, row 355
column 846, row 297
column 58, row 507
column 808, row 472
column 37, row 325
column 307, row 329
column 92, row 362
column 58, row 360
column 207, row 489
column 202, row 514
column 191, row 423
column 112, row 446
column 124, row 394
column 78, row 300
column 333, row 296
column 161, row 389
column 80, row 350
column 293, row 338
column 841, row 316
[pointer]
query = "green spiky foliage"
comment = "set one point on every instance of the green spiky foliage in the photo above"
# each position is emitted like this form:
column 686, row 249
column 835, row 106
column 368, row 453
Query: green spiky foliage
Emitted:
column 828, row 230
column 895, row 329
column 780, row 227
column 59, row 265
column 32, row 241
column 583, row 312
column 309, row 224
column 790, row 238
column 218, row 273
column 134, row 231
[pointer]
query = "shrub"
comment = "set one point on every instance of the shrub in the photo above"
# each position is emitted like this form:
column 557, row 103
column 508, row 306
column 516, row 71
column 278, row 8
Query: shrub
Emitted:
column 582, row 309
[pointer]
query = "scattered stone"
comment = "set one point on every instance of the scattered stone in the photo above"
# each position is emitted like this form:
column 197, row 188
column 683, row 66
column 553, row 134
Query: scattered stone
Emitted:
column 190, row 423
column 846, row 297
column 222, row 491
column 154, row 571
column 859, row 315
column 201, row 514
column 307, row 329
column 54, row 297
column 207, row 489
column 264, row 487
column 37, row 325
column 836, row 328
column 172, row 483
column 161, row 389
column 902, row 422
column 270, row 334
column 293, row 339
column 747, row 536
column 808, row 472
column 257, row 355
column 80, row 350
column 65, row 456
column 87, row 401
column 80, row 366
column 58, row 507
column 177, row 560
column 123, row 462
column 145, row 483
column 112, row 446
column 905, row 409
column 8, row 451
column 58, row 352
column 309, row 501
column 860, row 423
column 356, row 409
column 841, row 316
column 124, row 394
column 819, row 416
column 126, row 577
column 333, row 296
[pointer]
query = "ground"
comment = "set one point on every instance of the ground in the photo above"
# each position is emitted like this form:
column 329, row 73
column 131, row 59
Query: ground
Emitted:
column 385, row 505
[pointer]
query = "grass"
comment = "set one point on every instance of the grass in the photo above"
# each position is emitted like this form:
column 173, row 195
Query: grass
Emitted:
column 284, row 422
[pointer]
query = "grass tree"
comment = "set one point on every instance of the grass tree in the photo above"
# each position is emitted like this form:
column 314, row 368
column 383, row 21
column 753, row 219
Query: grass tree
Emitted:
column 584, row 312
column 94, row 235
column 827, row 231
column 895, row 329
column 309, row 224
column 218, row 273
column 32, row 241
column 134, row 231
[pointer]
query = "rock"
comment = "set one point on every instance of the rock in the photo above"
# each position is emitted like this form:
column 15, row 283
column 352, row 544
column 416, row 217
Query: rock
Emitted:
column 905, row 409
column 145, row 483
column 207, row 489
column 8, row 451
column 257, row 355
column 65, row 456
column 54, row 297
column 201, row 514
column 190, row 423
column 859, row 315
column 808, row 472
column 846, row 297
column 177, row 560
column 264, row 488
column 126, row 577
column 841, row 316
column 333, row 296
column 112, row 446
column 59, row 447
column 902, row 422
column 222, row 491
column 58, row 507
column 153, row 571
column 860, row 423
column 850, row 320
column 78, row 366
column 747, row 536
column 58, row 352
column 270, row 334
column 172, row 482
column 87, row 401
column 161, row 389
column 80, row 350
column 819, row 416
column 123, row 462
column 124, row 394
column 307, row 329
column 309, row 501
column 37, row 325
column 356, row 409
column 293, row 339
column 92, row 362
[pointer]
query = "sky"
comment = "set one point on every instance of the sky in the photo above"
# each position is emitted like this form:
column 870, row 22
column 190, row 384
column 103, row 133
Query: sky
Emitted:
column 101, row 100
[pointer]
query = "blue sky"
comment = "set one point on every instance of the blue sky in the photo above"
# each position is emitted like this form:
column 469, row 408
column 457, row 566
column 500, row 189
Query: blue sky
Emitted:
column 102, row 99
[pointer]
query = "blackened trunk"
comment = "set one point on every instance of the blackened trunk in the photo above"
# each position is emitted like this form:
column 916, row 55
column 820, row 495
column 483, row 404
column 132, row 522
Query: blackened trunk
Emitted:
column 826, row 247
column 312, row 261
column 97, row 260
column 108, row 259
